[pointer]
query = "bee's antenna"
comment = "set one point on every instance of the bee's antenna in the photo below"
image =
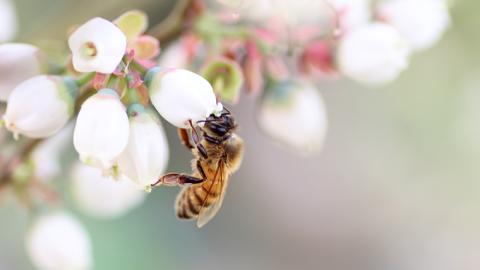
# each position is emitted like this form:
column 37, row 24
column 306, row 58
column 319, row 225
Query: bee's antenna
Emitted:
column 207, row 121
column 226, row 113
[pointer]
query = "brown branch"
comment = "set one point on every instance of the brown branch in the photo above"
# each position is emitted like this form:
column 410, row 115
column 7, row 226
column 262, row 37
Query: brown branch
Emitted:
column 9, row 167
column 174, row 23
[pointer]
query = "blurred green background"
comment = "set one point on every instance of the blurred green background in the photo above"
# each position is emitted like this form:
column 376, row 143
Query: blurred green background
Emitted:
column 397, row 186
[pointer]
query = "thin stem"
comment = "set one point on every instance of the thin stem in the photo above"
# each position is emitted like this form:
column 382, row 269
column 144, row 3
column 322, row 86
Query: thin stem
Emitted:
column 337, row 28
column 82, row 97
column 10, row 166
column 138, row 67
column 172, row 25
column 112, row 82
column 143, row 93
column 84, row 79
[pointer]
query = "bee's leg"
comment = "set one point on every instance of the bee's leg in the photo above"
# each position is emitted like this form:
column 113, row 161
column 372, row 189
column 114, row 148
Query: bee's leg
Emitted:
column 201, row 149
column 183, row 135
column 177, row 179
column 200, row 170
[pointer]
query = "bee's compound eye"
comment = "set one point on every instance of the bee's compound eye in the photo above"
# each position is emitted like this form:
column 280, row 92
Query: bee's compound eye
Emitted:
column 220, row 130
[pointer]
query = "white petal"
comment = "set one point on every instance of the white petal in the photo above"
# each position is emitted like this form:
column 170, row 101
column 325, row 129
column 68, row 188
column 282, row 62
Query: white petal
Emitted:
column 101, row 196
column 40, row 106
column 101, row 131
column 97, row 46
column 180, row 95
column 8, row 21
column 58, row 242
column 146, row 156
column 296, row 116
column 18, row 62
column 374, row 53
column 421, row 22
column 46, row 156
column 292, row 13
column 174, row 56
column 352, row 13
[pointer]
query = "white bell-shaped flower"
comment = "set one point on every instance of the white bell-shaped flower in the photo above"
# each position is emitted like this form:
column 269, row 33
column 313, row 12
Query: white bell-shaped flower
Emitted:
column 146, row 156
column 294, row 114
column 97, row 46
column 101, row 131
column 174, row 56
column 57, row 241
column 39, row 107
column 421, row 22
column 103, row 197
column 375, row 53
column 352, row 13
column 292, row 13
column 46, row 156
column 8, row 21
column 180, row 95
column 18, row 62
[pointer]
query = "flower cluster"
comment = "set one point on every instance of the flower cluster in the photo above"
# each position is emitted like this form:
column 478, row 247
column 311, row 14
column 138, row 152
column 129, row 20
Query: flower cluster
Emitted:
column 369, row 41
column 116, row 85
column 116, row 92
column 116, row 130
column 272, row 44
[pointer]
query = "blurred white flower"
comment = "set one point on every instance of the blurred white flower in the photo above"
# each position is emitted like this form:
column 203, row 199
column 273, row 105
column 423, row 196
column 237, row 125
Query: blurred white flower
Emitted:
column 146, row 156
column 298, row 12
column 18, row 62
column 421, row 22
column 374, row 53
column 180, row 95
column 97, row 46
column 101, row 196
column 57, row 241
column 174, row 56
column 352, row 13
column 39, row 107
column 101, row 130
column 291, row 12
column 294, row 114
column 249, row 9
column 46, row 156
column 8, row 21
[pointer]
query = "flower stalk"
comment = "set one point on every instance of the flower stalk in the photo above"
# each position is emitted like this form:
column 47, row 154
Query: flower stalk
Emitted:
column 9, row 167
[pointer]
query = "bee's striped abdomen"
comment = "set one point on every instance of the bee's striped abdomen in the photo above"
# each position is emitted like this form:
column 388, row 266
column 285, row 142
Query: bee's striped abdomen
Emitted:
column 190, row 199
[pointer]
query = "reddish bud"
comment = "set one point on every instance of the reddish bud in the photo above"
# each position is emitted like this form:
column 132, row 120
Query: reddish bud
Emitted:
column 99, row 81
column 252, row 69
column 317, row 57
column 146, row 47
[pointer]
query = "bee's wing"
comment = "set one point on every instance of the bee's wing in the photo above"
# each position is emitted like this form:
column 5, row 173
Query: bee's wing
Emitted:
column 219, row 184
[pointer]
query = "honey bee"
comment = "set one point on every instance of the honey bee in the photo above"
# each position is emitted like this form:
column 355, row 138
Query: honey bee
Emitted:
column 218, row 154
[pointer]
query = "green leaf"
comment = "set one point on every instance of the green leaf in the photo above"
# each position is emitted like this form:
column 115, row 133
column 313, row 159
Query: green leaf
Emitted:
column 133, row 23
column 226, row 78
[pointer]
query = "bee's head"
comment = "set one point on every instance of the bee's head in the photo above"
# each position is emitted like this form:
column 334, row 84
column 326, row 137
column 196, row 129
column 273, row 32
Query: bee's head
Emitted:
column 220, row 125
